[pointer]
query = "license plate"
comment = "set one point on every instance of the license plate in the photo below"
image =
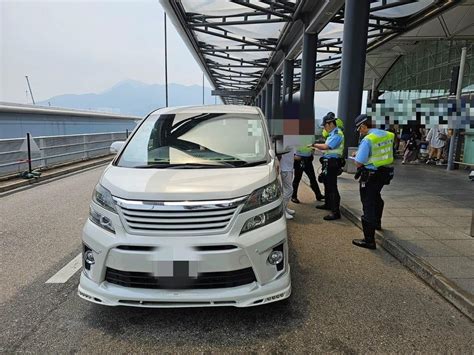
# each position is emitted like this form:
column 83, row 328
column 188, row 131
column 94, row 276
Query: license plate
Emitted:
column 175, row 268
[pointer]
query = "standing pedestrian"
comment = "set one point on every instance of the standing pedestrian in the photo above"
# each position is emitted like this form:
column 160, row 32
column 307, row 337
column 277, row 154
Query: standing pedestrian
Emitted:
column 437, row 139
column 286, row 173
column 374, row 160
column 304, row 163
column 332, row 163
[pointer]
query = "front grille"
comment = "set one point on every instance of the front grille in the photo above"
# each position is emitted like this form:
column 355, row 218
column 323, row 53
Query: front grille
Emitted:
column 151, row 217
column 205, row 280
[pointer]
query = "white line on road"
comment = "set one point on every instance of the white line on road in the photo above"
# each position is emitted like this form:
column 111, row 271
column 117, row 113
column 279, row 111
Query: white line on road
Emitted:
column 66, row 272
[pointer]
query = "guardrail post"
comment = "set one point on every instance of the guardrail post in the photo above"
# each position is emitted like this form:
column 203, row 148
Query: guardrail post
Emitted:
column 28, row 145
column 126, row 133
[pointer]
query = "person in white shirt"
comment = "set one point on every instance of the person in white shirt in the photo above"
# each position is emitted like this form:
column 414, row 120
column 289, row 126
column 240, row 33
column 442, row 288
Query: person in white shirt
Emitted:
column 437, row 139
column 286, row 172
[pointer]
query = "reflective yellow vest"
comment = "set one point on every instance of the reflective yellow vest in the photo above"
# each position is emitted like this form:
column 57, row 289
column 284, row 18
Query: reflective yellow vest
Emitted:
column 340, row 149
column 381, row 149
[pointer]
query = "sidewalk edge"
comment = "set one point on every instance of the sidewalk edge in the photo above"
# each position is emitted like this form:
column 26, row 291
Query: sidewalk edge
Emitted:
column 436, row 280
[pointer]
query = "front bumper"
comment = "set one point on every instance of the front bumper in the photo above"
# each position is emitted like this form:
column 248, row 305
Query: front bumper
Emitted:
column 242, row 296
column 250, row 250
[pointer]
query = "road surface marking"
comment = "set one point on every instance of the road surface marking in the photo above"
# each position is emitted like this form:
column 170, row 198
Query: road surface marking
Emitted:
column 66, row 272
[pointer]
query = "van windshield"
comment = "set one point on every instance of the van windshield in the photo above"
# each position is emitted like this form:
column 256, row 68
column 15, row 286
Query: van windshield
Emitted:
column 197, row 140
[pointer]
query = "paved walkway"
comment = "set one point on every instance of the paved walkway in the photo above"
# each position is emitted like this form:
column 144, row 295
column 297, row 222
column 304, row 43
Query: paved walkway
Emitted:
column 427, row 224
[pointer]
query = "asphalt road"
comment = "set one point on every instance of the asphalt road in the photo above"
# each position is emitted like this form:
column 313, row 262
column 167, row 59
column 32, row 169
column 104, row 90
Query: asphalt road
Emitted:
column 344, row 299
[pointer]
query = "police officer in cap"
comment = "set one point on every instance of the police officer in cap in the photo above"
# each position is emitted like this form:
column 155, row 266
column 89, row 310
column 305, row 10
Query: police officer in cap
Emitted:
column 332, row 164
column 374, row 160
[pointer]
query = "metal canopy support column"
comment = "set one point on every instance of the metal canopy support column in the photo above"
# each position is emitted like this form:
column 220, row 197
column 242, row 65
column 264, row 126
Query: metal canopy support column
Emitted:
column 268, row 101
column 455, row 132
column 288, row 72
column 276, row 105
column 356, row 20
column 308, row 74
column 264, row 100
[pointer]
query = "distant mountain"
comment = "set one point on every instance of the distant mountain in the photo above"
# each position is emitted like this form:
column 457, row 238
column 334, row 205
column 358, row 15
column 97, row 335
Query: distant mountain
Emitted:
column 131, row 97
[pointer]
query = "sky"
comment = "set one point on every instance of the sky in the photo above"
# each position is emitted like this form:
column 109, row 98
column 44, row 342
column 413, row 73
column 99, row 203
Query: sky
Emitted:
column 84, row 46
column 67, row 46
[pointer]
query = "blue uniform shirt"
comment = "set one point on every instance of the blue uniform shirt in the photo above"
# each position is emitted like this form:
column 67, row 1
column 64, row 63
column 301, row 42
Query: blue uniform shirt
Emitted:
column 364, row 151
column 333, row 141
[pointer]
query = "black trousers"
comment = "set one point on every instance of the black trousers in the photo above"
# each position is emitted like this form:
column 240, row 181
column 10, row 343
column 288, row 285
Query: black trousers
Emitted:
column 372, row 203
column 305, row 165
column 331, row 192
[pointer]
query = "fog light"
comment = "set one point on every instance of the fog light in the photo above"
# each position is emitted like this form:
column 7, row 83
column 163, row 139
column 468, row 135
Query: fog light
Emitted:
column 275, row 257
column 89, row 257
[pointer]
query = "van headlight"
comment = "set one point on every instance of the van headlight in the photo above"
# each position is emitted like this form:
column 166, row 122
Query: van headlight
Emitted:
column 263, row 196
column 262, row 219
column 101, row 220
column 103, row 198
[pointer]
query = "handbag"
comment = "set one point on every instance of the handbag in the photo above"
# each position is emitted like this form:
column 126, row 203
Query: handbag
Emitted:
column 442, row 136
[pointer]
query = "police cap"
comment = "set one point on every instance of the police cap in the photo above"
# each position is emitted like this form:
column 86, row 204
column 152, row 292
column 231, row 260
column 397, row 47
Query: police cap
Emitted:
column 361, row 119
column 330, row 117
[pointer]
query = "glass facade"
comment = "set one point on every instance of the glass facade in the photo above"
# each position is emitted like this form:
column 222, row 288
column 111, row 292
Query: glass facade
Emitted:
column 427, row 70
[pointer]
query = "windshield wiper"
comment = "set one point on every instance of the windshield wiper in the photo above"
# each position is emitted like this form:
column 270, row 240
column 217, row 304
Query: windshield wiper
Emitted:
column 182, row 165
column 252, row 163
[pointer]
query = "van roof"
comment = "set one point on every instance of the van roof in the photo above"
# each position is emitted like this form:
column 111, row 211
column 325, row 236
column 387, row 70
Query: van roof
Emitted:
column 209, row 109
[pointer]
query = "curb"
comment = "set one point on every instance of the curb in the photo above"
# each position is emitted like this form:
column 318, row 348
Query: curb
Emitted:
column 431, row 276
column 67, row 170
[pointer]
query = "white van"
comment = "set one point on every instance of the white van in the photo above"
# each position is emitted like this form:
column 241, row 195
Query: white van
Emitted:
column 189, row 214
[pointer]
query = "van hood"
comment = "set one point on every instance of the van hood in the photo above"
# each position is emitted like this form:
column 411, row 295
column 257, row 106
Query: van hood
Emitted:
column 186, row 184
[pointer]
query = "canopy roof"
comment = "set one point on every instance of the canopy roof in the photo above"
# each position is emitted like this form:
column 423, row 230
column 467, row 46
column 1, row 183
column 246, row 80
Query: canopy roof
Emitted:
column 456, row 23
column 241, row 43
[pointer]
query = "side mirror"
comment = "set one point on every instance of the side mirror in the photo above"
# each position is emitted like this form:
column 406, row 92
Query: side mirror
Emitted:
column 116, row 147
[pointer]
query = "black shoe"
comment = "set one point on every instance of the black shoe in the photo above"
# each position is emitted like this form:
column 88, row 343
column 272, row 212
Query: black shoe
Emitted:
column 320, row 198
column 323, row 207
column 364, row 244
column 332, row 217
column 295, row 200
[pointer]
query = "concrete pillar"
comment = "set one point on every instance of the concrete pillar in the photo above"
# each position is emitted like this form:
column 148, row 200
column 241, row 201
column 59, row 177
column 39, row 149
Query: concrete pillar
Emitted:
column 277, row 113
column 308, row 75
column 268, row 101
column 351, row 82
column 276, row 105
column 288, row 73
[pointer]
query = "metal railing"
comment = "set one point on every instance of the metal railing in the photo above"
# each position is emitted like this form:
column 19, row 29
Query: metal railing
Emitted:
column 23, row 154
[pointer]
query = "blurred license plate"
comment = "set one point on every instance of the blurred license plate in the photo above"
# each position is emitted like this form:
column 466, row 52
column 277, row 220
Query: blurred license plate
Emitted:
column 176, row 268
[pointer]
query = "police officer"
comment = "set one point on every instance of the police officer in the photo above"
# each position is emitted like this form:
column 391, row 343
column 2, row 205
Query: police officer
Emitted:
column 373, row 159
column 304, row 163
column 332, row 164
